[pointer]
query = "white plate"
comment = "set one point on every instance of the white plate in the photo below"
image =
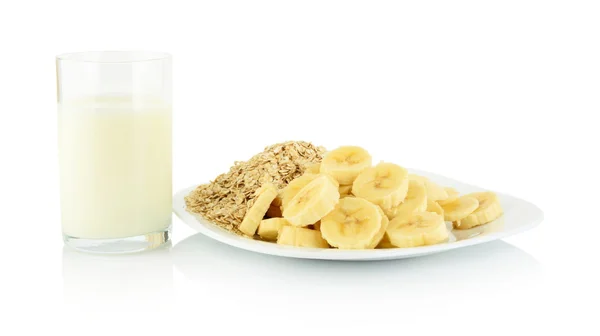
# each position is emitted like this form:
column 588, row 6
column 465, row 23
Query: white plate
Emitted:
column 519, row 216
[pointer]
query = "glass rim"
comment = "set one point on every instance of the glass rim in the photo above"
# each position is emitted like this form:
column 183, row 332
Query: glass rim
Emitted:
column 114, row 56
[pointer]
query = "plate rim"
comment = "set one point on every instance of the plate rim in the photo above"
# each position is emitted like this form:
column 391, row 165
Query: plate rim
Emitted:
column 268, row 248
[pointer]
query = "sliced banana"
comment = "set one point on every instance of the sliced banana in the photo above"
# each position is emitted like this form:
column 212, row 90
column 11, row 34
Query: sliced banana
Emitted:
column 269, row 228
column 489, row 209
column 312, row 202
column 420, row 228
column 491, row 227
column 313, row 168
column 345, row 163
column 301, row 237
column 386, row 185
column 381, row 233
column 288, row 193
column 265, row 196
column 346, row 203
column 415, row 201
column 354, row 223
column 434, row 207
column 453, row 194
column 459, row 208
column 434, row 191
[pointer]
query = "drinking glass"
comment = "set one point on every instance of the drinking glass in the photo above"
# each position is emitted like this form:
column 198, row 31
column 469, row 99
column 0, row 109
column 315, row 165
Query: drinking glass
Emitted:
column 114, row 144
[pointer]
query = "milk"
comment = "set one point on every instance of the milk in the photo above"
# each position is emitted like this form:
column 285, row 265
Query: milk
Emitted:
column 115, row 167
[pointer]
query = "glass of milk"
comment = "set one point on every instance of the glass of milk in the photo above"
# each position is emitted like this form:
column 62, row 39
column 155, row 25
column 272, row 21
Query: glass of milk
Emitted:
column 114, row 141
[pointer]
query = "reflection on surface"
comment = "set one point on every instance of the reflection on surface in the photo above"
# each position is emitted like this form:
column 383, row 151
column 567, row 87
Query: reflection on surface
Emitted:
column 491, row 265
column 137, row 277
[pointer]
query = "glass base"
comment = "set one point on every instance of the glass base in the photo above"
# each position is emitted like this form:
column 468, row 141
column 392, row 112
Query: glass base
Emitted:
column 133, row 244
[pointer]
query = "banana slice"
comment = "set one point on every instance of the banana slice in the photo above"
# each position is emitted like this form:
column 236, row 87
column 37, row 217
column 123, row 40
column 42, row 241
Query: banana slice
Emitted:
column 385, row 185
column 494, row 226
column 415, row 201
column 313, row 168
column 265, row 195
column 434, row 191
column 421, row 228
column 459, row 208
column 355, row 223
column 301, row 237
column 345, row 190
column 288, row 193
column 489, row 209
column 334, row 181
column 434, row 207
column 269, row 228
column 453, row 194
column 381, row 233
column 312, row 202
column 345, row 163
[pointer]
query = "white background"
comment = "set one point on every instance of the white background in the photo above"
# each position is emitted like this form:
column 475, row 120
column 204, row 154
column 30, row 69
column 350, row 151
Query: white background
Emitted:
column 500, row 94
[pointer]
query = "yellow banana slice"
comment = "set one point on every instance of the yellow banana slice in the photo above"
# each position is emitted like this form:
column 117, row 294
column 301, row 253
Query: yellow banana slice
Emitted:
column 269, row 229
column 434, row 207
column 265, row 195
column 415, row 201
column 345, row 163
column 288, row 193
column 312, row 202
column 453, row 194
column 381, row 233
column 385, row 185
column 353, row 224
column 491, row 227
column 489, row 209
column 313, row 168
column 420, row 228
column 434, row 191
column 459, row 208
column 301, row 237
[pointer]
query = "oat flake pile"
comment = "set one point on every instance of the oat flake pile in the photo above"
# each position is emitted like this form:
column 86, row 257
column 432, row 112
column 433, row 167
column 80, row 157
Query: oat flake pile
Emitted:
column 225, row 200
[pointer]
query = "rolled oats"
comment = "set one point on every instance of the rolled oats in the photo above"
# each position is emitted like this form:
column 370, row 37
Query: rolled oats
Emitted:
column 225, row 200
